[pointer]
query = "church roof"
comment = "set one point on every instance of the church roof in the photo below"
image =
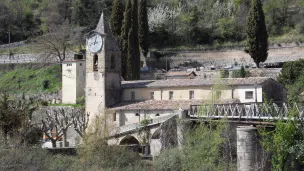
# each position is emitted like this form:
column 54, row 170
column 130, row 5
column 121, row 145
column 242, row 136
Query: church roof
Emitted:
column 156, row 105
column 100, row 28
column 160, row 104
column 193, row 82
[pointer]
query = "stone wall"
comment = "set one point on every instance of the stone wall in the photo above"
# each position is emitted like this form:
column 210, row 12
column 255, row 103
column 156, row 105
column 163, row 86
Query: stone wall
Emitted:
column 221, row 57
column 29, row 58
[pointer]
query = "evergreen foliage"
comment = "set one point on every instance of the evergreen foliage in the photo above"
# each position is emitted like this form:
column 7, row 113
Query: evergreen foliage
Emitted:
column 86, row 13
column 127, row 24
column 143, row 34
column 117, row 18
column 130, row 56
column 242, row 72
column 136, row 53
column 257, row 36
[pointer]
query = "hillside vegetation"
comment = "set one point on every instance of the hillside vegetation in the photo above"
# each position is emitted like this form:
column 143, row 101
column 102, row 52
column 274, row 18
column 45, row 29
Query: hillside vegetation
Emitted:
column 29, row 79
column 177, row 24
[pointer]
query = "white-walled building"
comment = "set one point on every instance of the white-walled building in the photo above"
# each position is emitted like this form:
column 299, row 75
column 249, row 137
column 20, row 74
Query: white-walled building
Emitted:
column 149, row 99
column 73, row 80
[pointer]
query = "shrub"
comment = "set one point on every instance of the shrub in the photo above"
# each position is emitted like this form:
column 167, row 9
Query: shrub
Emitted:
column 224, row 73
column 46, row 84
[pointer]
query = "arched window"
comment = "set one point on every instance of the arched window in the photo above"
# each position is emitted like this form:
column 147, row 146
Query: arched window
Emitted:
column 95, row 62
column 113, row 62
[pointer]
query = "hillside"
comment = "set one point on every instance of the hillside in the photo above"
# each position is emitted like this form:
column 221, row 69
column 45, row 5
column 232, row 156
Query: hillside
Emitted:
column 174, row 24
column 29, row 78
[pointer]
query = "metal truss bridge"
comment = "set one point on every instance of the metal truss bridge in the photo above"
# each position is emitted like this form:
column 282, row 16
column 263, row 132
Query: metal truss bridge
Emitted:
column 247, row 111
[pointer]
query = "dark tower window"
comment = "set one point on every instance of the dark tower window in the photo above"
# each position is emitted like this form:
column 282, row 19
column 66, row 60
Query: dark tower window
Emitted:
column 95, row 62
column 113, row 62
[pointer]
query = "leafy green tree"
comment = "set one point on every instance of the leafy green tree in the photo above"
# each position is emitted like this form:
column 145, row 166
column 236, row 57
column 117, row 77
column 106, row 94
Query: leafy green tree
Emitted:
column 144, row 40
column 242, row 72
column 257, row 36
column 127, row 24
column 117, row 18
column 291, row 71
column 281, row 141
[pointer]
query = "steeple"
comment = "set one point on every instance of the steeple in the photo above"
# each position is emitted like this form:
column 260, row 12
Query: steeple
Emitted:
column 101, row 25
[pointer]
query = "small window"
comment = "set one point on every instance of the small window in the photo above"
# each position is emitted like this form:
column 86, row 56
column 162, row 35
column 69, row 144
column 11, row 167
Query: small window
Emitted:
column 80, row 64
column 69, row 64
column 152, row 95
column 95, row 62
column 170, row 95
column 232, row 93
column 132, row 95
column 191, row 94
column 114, row 116
column 113, row 62
column 249, row 95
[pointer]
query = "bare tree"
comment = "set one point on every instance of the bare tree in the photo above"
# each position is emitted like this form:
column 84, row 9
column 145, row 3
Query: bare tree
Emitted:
column 80, row 121
column 56, row 123
column 54, row 44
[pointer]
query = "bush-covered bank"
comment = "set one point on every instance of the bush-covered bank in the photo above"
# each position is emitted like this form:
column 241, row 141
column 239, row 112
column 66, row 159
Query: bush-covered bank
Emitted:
column 30, row 78
column 102, row 158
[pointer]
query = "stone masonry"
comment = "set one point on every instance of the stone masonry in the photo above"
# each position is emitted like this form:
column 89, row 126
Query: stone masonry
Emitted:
column 246, row 148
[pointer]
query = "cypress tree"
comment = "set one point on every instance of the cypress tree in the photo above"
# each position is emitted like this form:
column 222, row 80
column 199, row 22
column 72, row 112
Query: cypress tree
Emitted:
column 144, row 41
column 117, row 18
column 130, row 56
column 257, row 36
column 136, row 53
column 127, row 24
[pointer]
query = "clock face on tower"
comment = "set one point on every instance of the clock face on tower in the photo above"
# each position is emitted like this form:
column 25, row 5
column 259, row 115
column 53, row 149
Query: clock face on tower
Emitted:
column 95, row 42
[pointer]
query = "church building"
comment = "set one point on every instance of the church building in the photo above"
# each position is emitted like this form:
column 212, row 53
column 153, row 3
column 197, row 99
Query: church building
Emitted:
column 99, row 79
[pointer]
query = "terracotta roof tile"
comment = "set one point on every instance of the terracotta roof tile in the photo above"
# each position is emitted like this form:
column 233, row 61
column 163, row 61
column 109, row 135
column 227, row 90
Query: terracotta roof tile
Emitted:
column 193, row 82
column 156, row 105
column 161, row 104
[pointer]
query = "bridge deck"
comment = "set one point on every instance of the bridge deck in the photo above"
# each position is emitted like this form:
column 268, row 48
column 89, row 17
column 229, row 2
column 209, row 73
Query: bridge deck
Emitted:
column 247, row 111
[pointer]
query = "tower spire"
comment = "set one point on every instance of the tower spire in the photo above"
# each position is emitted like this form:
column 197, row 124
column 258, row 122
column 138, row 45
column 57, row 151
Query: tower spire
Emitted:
column 101, row 25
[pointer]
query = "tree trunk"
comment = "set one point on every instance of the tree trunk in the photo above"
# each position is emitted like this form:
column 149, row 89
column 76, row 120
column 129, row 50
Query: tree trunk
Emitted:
column 64, row 131
column 257, row 64
column 53, row 143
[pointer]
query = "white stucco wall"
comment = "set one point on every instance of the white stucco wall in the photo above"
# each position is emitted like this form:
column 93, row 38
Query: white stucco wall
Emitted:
column 73, row 81
column 256, row 92
column 126, row 117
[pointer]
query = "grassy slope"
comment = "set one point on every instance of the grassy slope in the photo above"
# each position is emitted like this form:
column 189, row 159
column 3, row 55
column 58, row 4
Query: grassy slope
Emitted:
column 31, row 79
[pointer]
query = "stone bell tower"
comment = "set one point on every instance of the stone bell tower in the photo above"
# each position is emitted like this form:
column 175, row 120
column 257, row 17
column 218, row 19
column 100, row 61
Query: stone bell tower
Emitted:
column 103, row 70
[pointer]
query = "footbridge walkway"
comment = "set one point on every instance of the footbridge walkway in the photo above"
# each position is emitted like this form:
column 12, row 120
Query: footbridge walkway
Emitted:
column 247, row 111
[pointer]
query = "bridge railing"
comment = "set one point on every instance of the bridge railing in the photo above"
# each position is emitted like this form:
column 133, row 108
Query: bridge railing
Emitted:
column 246, row 110
column 135, row 126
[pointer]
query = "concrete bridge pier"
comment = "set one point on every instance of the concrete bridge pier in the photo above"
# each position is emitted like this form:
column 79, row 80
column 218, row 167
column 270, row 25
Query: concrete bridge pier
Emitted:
column 246, row 148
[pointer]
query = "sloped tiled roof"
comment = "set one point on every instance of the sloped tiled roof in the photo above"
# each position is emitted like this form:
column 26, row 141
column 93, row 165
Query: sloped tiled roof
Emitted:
column 161, row 104
column 156, row 105
column 180, row 73
column 193, row 82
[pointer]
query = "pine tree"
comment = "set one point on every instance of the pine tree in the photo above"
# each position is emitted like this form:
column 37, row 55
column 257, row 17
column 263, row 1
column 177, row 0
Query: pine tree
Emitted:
column 117, row 18
column 257, row 36
column 127, row 24
column 136, row 56
column 144, row 41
